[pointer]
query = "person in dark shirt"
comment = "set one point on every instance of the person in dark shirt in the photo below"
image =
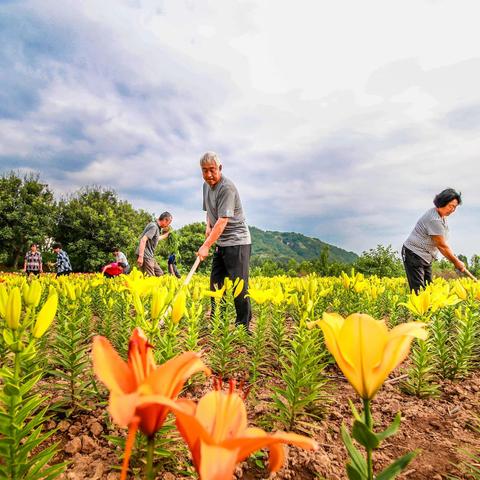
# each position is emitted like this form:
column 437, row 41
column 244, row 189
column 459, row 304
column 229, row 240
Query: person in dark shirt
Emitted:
column 62, row 265
column 172, row 265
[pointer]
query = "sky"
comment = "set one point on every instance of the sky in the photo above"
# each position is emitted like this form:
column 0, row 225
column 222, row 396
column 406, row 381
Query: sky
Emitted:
column 339, row 120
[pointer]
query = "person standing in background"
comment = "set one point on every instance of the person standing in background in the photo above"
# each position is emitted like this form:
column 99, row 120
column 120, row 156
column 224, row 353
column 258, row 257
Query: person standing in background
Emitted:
column 33, row 261
column 428, row 238
column 149, row 239
column 62, row 265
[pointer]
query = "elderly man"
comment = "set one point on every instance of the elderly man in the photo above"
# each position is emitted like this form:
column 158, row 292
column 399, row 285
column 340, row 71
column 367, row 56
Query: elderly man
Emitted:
column 428, row 238
column 151, row 235
column 226, row 226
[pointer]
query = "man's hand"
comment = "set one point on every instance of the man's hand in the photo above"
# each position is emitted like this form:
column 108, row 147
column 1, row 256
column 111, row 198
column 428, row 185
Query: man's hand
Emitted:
column 140, row 261
column 203, row 252
column 459, row 265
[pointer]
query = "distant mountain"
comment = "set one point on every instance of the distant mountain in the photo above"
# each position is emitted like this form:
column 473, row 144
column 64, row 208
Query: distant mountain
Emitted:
column 283, row 246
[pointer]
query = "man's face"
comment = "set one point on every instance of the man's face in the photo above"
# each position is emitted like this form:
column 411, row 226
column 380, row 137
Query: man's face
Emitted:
column 164, row 223
column 56, row 250
column 449, row 208
column 212, row 173
column 33, row 248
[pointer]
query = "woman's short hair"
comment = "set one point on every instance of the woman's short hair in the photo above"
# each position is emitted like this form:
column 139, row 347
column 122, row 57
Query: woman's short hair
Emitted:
column 446, row 196
column 210, row 157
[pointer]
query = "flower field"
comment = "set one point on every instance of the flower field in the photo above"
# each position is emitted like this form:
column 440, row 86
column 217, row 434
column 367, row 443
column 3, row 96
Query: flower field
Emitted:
column 137, row 377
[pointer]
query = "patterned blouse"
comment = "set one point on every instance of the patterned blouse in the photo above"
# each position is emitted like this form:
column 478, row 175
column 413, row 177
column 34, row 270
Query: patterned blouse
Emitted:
column 63, row 262
column 33, row 261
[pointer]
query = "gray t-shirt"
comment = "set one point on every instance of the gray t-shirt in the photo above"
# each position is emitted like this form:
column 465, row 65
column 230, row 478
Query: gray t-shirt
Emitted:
column 420, row 240
column 121, row 258
column 152, row 232
column 223, row 201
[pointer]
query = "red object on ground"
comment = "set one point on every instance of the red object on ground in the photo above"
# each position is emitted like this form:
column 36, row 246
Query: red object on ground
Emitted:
column 113, row 269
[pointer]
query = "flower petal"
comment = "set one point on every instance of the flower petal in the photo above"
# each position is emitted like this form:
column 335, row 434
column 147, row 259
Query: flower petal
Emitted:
column 122, row 407
column 222, row 414
column 216, row 463
column 397, row 349
column 362, row 342
column 168, row 379
column 110, row 368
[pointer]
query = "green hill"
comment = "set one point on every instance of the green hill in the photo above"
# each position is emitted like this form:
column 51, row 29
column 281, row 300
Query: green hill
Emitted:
column 283, row 246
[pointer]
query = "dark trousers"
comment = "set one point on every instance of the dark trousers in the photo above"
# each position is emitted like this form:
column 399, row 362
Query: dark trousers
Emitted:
column 419, row 271
column 233, row 262
column 66, row 272
column 33, row 272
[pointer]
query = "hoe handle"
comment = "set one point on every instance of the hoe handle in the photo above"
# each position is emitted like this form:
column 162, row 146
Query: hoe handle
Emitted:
column 192, row 271
column 470, row 275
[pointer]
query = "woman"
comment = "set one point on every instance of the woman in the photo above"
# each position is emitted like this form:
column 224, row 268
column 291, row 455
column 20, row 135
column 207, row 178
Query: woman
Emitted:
column 429, row 237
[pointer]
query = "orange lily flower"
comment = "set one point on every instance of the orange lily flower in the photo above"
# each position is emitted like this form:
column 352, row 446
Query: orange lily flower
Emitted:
column 134, row 384
column 217, row 435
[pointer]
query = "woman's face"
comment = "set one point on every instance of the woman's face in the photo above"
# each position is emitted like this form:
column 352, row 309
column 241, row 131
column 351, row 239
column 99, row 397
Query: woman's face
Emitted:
column 448, row 209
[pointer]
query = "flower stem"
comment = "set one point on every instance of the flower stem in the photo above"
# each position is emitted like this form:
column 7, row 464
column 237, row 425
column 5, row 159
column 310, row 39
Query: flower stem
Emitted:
column 369, row 424
column 150, row 451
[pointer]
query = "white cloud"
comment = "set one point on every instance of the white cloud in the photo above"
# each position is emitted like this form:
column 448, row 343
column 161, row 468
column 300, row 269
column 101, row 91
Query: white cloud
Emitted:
column 337, row 119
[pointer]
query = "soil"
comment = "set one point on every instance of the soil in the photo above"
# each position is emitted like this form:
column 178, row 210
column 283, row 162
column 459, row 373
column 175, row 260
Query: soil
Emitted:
column 441, row 428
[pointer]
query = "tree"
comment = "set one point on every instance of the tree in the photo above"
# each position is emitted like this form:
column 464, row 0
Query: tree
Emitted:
column 92, row 222
column 381, row 261
column 27, row 215
column 190, row 238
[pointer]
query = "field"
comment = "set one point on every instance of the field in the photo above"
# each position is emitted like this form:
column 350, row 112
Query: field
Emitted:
column 289, row 374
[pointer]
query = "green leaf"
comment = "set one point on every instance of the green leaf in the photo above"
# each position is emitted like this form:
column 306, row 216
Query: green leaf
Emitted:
column 358, row 416
column 358, row 461
column 11, row 390
column 8, row 336
column 391, row 429
column 353, row 473
column 364, row 436
column 397, row 466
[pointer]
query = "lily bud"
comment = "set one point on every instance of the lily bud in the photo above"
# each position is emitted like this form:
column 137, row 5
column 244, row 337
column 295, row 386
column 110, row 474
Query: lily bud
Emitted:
column 45, row 316
column 14, row 308
column 179, row 306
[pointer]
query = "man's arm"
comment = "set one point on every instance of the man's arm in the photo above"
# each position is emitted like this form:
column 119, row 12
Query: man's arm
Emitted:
column 163, row 236
column 25, row 265
column 41, row 265
column 141, row 250
column 213, row 236
column 447, row 252
column 208, row 228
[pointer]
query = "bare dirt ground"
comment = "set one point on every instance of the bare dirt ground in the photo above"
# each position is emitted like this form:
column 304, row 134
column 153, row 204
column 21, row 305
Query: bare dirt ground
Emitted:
column 441, row 428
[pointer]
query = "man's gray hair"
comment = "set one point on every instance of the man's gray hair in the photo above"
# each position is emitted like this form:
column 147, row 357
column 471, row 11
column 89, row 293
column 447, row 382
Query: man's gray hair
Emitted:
column 210, row 157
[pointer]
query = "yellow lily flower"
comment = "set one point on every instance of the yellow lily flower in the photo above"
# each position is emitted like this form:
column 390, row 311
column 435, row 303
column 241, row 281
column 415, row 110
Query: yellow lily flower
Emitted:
column 419, row 304
column 259, row 296
column 45, row 316
column 13, row 308
column 3, row 301
column 365, row 350
column 158, row 302
column 216, row 294
column 137, row 303
column 238, row 287
column 460, row 290
column 179, row 306
column 32, row 293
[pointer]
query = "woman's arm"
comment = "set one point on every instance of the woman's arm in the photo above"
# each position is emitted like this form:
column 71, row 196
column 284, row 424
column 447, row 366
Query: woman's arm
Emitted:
column 447, row 252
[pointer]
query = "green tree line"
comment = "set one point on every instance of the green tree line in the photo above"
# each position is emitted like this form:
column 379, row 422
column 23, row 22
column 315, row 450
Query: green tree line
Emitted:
column 92, row 221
